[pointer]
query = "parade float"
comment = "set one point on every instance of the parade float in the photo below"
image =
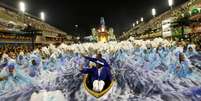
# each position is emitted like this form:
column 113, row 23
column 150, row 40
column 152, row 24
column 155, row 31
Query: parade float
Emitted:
column 102, row 34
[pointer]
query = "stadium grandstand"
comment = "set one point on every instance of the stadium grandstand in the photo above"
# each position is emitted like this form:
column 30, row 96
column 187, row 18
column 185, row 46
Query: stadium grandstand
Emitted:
column 153, row 28
column 17, row 28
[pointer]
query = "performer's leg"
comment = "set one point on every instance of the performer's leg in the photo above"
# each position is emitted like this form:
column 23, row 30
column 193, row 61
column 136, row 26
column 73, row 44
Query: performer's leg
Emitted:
column 95, row 85
column 101, row 85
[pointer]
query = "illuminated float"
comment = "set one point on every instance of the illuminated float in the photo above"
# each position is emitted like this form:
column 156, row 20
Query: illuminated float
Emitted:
column 102, row 34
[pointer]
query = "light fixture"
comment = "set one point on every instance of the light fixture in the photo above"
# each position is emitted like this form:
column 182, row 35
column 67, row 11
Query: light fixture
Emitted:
column 153, row 12
column 142, row 19
column 22, row 6
column 42, row 16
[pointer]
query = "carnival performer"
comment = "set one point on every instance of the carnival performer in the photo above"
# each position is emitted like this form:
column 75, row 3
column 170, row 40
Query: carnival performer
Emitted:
column 182, row 67
column 100, row 74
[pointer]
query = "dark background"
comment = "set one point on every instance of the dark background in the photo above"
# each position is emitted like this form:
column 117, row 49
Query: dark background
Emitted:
column 119, row 14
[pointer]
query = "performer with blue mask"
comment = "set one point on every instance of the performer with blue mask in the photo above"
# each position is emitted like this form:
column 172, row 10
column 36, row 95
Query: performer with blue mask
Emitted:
column 121, row 55
column 20, row 78
column 21, row 61
column 12, row 77
column 138, row 55
column 152, row 59
column 7, row 79
column 182, row 67
column 190, row 51
column 61, row 57
column 51, row 63
column 4, row 61
column 120, row 58
column 34, row 67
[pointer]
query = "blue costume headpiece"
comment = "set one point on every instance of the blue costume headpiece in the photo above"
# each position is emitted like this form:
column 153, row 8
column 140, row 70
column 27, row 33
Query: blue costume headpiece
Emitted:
column 11, row 66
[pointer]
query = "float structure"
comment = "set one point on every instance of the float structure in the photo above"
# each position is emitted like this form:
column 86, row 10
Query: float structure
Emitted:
column 102, row 34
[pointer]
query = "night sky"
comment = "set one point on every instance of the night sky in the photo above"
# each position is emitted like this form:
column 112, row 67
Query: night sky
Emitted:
column 119, row 14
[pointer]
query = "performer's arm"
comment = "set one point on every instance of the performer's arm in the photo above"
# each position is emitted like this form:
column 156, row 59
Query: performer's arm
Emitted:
column 90, row 59
column 85, row 70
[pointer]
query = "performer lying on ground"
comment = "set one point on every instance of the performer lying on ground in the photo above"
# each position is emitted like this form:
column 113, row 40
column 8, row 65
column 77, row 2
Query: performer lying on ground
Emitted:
column 99, row 73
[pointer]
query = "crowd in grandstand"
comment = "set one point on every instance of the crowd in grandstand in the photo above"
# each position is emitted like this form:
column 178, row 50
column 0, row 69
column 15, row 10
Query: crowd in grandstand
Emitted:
column 15, row 49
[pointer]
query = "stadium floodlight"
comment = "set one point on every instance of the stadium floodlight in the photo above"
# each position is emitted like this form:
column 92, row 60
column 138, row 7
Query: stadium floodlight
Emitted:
column 42, row 16
column 170, row 2
column 153, row 12
column 142, row 19
column 133, row 24
column 22, row 6
column 137, row 22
